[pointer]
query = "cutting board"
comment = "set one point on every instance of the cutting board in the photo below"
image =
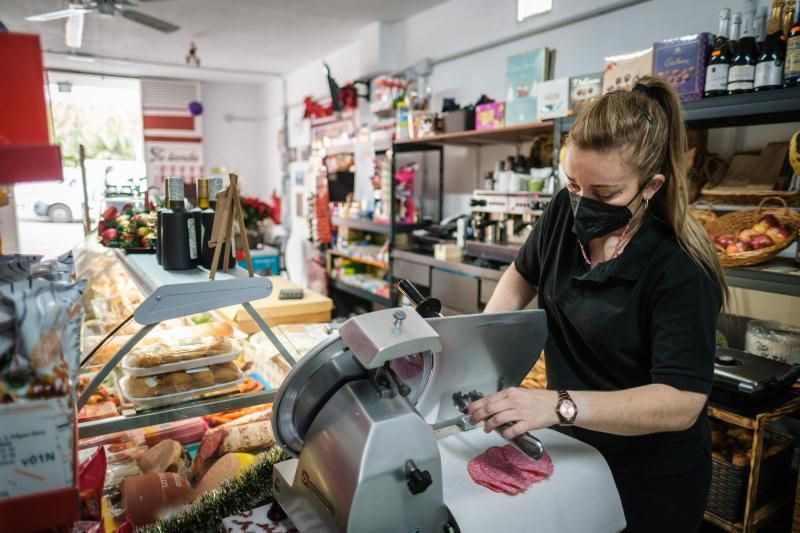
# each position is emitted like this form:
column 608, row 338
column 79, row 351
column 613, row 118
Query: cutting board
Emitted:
column 580, row 496
column 312, row 308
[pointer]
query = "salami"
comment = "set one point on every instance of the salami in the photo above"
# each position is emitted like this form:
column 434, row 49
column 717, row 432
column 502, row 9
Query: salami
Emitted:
column 508, row 471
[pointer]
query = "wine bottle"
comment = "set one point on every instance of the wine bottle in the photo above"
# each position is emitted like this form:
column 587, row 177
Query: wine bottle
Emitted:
column 788, row 17
column 769, row 69
column 791, row 70
column 178, row 231
column 743, row 65
column 760, row 25
column 717, row 69
column 733, row 43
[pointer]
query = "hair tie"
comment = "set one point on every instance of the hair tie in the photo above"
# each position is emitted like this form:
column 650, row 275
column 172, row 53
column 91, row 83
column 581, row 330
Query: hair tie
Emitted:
column 641, row 88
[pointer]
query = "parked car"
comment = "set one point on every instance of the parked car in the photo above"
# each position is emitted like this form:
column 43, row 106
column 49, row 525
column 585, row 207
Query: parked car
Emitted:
column 59, row 202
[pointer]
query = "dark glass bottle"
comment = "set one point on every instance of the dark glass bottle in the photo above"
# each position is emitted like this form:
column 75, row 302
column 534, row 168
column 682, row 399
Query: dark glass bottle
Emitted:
column 791, row 70
column 717, row 69
column 178, row 231
column 769, row 69
column 743, row 65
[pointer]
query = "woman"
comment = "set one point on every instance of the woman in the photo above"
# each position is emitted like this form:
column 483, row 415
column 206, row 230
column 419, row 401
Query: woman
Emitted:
column 632, row 289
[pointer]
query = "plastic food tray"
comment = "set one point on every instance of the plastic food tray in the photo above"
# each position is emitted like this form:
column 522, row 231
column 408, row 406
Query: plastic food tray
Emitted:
column 178, row 397
column 198, row 362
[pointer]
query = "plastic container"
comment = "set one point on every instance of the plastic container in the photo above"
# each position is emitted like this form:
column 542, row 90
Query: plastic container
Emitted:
column 773, row 340
column 177, row 366
column 172, row 398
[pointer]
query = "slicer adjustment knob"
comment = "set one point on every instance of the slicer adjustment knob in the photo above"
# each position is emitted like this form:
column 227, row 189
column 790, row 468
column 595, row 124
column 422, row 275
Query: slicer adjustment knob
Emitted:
column 399, row 316
column 418, row 480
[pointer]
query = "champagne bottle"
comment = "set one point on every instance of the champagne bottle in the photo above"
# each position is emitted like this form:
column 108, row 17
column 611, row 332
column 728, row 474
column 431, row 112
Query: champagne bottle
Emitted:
column 743, row 66
column 178, row 231
column 769, row 69
column 207, row 191
column 717, row 69
column 791, row 71
column 788, row 17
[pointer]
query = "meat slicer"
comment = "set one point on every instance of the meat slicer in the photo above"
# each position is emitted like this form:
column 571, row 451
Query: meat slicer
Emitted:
column 373, row 418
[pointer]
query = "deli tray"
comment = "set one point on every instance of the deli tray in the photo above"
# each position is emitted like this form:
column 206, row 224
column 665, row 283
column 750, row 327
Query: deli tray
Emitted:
column 198, row 362
column 172, row 399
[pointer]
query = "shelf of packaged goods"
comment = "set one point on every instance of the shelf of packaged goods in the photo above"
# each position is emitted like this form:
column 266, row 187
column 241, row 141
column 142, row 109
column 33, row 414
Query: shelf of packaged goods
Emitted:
column 757, row 278
column 372, row 227
column 359, row 292
column 365, row 260
column 177, row 412
column 509, row 135
column 767, row 107
column 763, row 515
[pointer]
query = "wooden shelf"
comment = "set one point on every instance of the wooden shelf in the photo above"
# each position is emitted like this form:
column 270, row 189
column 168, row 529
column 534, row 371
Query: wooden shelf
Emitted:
column 510, row 135
column 357, row 259
column 373, row 227
column 763, row 514
column 359, row 292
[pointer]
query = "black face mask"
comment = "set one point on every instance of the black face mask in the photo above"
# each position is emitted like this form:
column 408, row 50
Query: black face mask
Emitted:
column 593, row 219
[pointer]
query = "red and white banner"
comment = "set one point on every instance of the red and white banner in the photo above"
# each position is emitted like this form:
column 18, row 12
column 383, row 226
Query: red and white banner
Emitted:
column 173, row 137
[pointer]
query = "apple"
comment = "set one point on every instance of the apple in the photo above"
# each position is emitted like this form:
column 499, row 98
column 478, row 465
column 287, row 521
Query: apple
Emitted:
column 761, row 241
column 769, row 220
column 108, row 235
column 725, row 240
column 109, row 214
column 778, row 234
column 761, row 227
column 737, row 248
column 747, row 235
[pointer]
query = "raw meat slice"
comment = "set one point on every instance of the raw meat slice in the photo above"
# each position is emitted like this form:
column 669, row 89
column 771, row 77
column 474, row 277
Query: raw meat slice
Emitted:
column 542, row 467
column 479, row 474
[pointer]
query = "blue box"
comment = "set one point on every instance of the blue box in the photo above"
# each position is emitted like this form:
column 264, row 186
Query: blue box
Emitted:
column 271, row 262
column 682, row 63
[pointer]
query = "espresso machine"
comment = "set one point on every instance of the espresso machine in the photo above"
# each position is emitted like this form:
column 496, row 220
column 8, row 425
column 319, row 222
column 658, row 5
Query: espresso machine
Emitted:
column 500, row 222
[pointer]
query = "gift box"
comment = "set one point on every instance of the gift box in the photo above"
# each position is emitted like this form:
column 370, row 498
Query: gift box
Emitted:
column 584, row 90
column 620, row 73
column 490, row 116
column 682, row 63
column 459, row 120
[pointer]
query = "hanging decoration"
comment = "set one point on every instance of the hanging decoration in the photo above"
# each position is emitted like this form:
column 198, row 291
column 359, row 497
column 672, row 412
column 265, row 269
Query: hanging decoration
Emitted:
column 195, row 108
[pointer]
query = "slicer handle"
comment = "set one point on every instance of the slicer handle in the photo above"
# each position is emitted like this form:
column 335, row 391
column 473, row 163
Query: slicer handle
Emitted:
column 426, row 307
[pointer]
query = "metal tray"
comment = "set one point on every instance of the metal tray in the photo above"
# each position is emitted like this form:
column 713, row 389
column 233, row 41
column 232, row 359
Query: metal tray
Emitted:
column 172, row 399
column 199, row 362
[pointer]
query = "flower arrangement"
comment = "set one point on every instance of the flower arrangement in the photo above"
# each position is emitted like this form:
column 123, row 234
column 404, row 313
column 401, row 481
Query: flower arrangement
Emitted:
column 253, row 211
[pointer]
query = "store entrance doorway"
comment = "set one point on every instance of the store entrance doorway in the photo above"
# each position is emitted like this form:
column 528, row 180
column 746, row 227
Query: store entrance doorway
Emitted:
column 104, row 114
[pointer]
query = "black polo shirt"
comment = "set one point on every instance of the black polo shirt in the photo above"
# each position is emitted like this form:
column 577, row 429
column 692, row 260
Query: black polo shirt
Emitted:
column 648, row 316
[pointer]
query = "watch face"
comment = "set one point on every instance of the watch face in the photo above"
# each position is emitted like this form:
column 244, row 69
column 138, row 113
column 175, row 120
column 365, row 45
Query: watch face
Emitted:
column 567, row 410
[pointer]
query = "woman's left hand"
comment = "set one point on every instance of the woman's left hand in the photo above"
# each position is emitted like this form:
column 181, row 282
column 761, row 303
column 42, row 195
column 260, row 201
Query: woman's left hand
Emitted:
column 527, row 409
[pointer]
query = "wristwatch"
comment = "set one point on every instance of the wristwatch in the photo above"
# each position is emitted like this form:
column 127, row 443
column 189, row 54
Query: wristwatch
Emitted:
column 566, row 409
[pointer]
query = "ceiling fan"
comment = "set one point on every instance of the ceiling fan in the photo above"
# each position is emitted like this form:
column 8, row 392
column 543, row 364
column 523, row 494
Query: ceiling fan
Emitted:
column 75, row 11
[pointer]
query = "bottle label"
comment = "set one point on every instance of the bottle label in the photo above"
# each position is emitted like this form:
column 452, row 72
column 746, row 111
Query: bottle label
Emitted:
column 717, row 77
column 740, row 77
column 792, row 67
column 769, row 73
column 192, row 238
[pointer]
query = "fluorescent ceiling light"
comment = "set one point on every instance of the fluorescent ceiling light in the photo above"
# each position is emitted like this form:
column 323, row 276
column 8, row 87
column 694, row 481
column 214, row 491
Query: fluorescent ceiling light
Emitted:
column 529, row 8
column 73, row 31
column 53, row 15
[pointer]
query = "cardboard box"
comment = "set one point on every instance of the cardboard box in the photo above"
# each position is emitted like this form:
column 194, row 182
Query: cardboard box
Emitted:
column 523, row 73
column 490, row 116
column 682, row 63
column 623, row 71
column 583, row 90
column 553, row 99
column 312, row 308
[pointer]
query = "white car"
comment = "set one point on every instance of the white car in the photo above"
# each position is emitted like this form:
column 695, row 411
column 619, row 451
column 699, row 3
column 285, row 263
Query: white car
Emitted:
column 59, row 202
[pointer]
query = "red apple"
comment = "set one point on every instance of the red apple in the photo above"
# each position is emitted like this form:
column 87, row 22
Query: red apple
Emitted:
column 769, row 220
column 746, row 235
column 761, row 227
column 101, row 227
column 737, row 248
column 108, row 235
column 109, row 214
column 778, row 234
column 761, row 241
column 725, row 240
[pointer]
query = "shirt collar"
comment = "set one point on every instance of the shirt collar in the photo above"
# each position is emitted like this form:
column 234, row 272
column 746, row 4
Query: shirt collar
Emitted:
column 633, row 259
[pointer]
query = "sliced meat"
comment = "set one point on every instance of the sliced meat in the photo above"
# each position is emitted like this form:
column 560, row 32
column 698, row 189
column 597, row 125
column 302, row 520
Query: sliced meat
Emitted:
column 480, row 476
column 542, row 467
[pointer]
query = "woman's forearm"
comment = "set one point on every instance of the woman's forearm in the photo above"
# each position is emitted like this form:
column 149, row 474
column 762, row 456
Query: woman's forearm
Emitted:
column 512, row 293
column 638, row 411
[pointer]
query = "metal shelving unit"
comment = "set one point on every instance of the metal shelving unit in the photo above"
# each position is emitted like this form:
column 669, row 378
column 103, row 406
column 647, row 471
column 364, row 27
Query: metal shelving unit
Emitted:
column 358, row 259
column 361, row 293
column 173, row 294
column 372, row 227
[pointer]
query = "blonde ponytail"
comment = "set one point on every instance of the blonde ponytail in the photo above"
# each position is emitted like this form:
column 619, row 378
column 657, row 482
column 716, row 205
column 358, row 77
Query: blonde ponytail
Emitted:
column 647, row 125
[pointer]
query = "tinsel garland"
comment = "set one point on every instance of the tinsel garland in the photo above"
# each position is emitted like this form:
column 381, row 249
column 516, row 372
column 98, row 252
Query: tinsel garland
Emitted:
column 251, row 489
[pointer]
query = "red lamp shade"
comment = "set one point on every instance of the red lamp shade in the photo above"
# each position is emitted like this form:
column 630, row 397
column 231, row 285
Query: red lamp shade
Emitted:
column 25, row 150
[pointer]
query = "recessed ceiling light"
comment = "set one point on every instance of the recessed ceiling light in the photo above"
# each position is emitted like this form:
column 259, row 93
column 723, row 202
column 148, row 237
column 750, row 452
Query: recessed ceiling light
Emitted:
column 82, row 58
column 529, row 8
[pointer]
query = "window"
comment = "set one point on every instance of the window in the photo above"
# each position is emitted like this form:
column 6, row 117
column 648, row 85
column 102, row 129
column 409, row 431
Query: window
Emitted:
column 529, row 8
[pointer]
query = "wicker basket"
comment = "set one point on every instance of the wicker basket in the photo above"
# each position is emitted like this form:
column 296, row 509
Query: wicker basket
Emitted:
column 704, row 216
column 733, row 223
column 726, row 498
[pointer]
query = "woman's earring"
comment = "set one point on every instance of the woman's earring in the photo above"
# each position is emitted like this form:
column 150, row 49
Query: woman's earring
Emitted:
column 646, row 203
